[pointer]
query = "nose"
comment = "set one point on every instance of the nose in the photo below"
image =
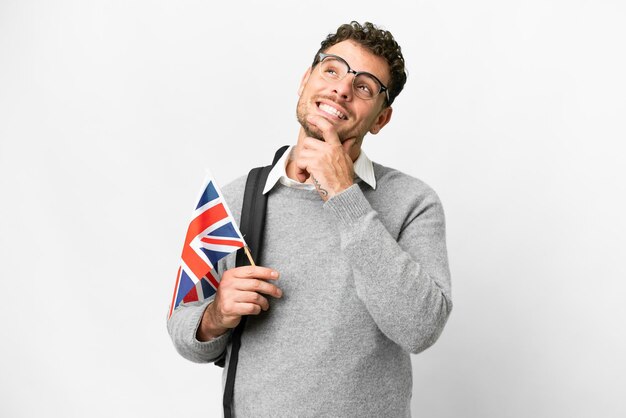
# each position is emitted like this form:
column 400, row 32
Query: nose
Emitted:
column 343, row 87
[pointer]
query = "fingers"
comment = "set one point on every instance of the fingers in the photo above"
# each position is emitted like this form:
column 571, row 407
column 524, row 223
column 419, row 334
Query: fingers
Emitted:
column 253, row 298
column 302, row 175
column 256, row 272
column 249, row 309
column 301, row 172
column 233, row 311
column 254, row 285
column 250, row 279
column 241, row 292
column 328, row 130
column 330, row 136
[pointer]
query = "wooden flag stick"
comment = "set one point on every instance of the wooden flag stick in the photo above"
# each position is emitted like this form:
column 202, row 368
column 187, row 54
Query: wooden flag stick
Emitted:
column 249, row 256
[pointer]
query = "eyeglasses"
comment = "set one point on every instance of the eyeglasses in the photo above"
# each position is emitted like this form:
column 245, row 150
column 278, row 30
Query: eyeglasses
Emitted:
column 365, row 85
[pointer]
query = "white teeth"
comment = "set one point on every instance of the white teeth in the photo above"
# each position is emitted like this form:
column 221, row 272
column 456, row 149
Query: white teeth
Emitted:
column 329, row 109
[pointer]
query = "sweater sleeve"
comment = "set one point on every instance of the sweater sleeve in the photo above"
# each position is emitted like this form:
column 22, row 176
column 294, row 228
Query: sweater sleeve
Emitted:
column 182, row 327
column 404, row 283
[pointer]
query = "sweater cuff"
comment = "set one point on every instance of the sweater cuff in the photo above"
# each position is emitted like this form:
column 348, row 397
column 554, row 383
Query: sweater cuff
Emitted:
column 349, row 205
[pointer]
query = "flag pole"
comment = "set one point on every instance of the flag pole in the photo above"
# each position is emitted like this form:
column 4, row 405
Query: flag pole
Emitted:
column 245, row 248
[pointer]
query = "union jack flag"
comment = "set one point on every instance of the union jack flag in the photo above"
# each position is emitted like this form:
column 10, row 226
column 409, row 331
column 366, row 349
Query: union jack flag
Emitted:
column 211, row 236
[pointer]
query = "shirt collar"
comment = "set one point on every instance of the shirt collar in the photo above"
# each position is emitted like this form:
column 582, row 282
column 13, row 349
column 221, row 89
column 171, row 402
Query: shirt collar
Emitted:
column 363, row 169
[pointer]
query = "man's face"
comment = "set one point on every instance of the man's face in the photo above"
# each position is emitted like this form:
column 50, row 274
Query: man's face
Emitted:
column 351, row 116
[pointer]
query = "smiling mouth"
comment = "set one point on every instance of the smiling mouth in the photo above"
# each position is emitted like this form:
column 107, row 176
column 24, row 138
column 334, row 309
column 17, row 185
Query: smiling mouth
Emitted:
column 331, row 111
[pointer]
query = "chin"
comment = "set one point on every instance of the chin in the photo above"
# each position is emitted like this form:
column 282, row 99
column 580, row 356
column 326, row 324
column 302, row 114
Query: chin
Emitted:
column 308, row 129
column 313, row 132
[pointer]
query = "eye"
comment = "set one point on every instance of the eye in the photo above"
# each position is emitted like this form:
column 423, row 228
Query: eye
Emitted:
column 365, row 89
column 331, row 70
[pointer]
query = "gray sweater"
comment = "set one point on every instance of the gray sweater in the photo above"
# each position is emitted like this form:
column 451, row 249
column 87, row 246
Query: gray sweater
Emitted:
column 365, row 282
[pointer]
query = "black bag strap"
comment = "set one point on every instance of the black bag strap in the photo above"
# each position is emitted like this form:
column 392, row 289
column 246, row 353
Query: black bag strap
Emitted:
column 251, row 225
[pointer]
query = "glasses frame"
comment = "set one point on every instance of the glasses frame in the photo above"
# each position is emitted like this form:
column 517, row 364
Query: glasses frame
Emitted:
column 322, row 56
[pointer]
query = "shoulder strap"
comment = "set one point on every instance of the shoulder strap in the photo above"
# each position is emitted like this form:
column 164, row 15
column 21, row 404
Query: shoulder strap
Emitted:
column 252, row 221
column 251, row 225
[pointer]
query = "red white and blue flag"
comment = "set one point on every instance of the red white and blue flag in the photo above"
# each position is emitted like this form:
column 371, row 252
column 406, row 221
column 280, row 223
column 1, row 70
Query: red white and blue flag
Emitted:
column 211, row 236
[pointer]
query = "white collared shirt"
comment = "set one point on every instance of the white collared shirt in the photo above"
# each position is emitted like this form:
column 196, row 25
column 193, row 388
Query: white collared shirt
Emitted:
column 363, row 169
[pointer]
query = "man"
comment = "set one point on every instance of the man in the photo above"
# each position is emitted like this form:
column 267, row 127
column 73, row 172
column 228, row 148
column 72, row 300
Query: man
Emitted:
column 356, row 274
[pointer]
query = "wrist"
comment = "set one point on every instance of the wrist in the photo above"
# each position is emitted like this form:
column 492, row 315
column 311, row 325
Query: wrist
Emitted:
column 340, row 188
column 209, row 328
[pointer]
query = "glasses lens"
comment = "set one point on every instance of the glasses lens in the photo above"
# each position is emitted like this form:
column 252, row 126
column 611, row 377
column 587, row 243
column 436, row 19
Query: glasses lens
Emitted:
column 365, row 86
column 333, row 69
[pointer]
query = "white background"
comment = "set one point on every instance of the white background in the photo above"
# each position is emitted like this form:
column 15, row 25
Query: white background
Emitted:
column 111, row 110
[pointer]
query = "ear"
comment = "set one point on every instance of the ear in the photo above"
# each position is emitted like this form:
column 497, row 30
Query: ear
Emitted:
column 381, row 120
column 304, row 80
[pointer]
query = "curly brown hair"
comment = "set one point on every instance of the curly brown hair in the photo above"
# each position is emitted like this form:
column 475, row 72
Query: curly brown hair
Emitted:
column 379, row 42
